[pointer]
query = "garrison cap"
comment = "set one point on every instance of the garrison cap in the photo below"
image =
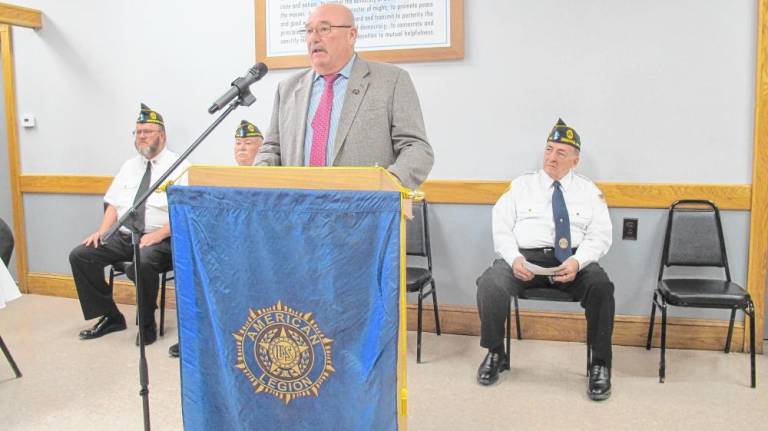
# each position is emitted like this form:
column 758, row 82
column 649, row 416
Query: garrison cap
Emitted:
column 563, row 134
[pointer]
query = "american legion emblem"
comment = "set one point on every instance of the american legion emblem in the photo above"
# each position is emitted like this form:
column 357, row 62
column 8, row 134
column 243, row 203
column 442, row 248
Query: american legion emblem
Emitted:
column 283, row 352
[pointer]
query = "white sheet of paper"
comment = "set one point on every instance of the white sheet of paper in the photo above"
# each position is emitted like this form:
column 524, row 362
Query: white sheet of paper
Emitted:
column 8, row 288
column 540, row 270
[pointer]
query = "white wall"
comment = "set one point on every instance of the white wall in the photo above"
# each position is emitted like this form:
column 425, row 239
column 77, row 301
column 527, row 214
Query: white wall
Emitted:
column 660, row 91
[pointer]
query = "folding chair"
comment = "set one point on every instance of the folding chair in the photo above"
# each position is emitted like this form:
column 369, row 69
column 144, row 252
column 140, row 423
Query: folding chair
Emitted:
column 419, row 277
column 694, row 238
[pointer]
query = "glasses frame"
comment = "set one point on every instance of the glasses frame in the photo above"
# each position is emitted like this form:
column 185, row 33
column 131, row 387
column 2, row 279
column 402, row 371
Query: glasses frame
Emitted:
column 308, row 32
column 144, row 132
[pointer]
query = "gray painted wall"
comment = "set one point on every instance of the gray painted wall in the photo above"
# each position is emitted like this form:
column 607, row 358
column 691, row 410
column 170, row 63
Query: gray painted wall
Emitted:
column 462, row 249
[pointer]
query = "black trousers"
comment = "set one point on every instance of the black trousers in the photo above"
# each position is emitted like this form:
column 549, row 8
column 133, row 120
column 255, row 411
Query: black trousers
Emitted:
column 591, row 287
column 95, row 295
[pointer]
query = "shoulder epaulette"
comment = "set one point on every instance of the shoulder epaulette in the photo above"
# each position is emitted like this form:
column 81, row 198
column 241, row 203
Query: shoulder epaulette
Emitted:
column 583, row 177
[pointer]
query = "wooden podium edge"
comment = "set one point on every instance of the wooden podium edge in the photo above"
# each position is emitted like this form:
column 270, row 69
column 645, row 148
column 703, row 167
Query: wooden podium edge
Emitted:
column 314, row 178
column 402, row 342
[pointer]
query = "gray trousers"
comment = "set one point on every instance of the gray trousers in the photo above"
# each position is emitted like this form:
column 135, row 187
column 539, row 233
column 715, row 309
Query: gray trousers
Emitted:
column 591, row 287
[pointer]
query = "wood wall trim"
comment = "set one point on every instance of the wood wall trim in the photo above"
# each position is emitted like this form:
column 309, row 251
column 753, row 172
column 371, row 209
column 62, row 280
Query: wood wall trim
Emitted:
column 14, row 157
column 41, row 283
column 682, row 333
column 20, row 16
column 65, row 184
column 464, row 191
column 618, row 195
column 649, row 195
column 758, row 230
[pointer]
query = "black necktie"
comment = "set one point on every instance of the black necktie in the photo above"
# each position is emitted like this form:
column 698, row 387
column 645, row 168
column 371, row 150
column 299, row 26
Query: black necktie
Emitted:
column 562, row 225
column 139, row 215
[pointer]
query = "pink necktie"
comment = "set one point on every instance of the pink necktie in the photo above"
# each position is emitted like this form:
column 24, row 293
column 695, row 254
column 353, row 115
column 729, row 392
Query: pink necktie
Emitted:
column 322, row 123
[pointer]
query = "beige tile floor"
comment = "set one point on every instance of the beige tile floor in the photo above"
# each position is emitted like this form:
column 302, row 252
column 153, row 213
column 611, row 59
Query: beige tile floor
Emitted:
column 74, row 385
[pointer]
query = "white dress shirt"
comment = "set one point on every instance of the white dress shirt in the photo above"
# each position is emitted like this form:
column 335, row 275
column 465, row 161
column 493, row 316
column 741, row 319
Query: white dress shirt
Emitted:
column 522, row 217
column 8, row 288
column 123, row 189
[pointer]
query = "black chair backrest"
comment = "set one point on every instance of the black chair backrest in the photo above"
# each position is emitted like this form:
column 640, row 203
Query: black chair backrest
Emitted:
column 6, row 242
column 417, row 231
column 694, row 236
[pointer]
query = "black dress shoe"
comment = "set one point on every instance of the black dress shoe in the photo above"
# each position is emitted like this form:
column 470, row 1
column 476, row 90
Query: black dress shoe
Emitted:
column 492, row 365
column 150, row 334
column 104, row 326
column 174, row 350
column 599, row 387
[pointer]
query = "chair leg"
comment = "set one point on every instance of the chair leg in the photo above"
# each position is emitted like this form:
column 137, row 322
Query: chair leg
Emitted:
column 751, row 314
column 730, row 332
column 16, row 368
column 589, row 352
column 650, row 326
column 434, row 304
column 517, row 319
column 418, row 328
column 111, row 278
column 162, row 305
column 662, row 361
column 509, row 334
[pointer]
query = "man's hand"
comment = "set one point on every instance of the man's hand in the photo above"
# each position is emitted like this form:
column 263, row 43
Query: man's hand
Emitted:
column 93, row 240
column 520, row 271
column 152, row 238
column 568, row 273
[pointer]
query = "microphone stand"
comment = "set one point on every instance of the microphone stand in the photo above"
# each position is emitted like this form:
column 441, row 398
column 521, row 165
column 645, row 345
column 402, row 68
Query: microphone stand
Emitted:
column 244, row 98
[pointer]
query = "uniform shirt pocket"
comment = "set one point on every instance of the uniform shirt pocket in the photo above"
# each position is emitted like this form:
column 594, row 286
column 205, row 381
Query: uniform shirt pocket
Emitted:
column 580, row 214
column 529, row 210
column 124, row 192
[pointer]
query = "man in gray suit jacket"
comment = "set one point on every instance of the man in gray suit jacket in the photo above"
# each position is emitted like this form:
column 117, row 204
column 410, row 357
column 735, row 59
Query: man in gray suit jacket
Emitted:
column 346, row 111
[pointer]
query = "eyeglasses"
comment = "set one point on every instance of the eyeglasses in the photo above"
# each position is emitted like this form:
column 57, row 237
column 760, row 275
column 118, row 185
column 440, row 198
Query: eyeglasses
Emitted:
column 144, row 132
column 322, row 30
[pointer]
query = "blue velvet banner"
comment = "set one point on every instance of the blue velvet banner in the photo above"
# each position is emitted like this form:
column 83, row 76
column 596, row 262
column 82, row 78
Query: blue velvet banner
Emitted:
column 288, row 308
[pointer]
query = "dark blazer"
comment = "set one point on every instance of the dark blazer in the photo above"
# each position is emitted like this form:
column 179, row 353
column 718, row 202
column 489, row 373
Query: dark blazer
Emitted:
column 6, row 242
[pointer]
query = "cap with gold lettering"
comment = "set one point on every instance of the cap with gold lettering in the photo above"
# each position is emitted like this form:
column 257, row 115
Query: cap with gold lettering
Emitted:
column 247, row 130
column 147, row 115
column 563, row 134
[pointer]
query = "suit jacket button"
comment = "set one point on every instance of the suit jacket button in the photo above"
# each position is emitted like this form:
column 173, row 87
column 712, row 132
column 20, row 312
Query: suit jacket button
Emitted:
column 355, row 91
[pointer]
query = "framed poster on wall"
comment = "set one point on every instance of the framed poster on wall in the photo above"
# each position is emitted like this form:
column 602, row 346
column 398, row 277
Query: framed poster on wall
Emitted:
column 392, row 31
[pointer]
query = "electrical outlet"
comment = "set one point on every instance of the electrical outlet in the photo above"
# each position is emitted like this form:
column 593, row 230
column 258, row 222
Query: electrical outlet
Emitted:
column 629, row 230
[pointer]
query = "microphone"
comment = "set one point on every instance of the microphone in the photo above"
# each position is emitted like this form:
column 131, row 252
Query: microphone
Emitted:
column 240, row 85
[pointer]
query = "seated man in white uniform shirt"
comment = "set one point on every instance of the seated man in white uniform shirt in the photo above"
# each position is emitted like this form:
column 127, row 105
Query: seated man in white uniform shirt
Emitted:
column 552, row 218
column 89, row 259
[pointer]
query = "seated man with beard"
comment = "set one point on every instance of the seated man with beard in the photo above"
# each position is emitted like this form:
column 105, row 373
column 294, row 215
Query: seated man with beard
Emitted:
column 89, row 259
